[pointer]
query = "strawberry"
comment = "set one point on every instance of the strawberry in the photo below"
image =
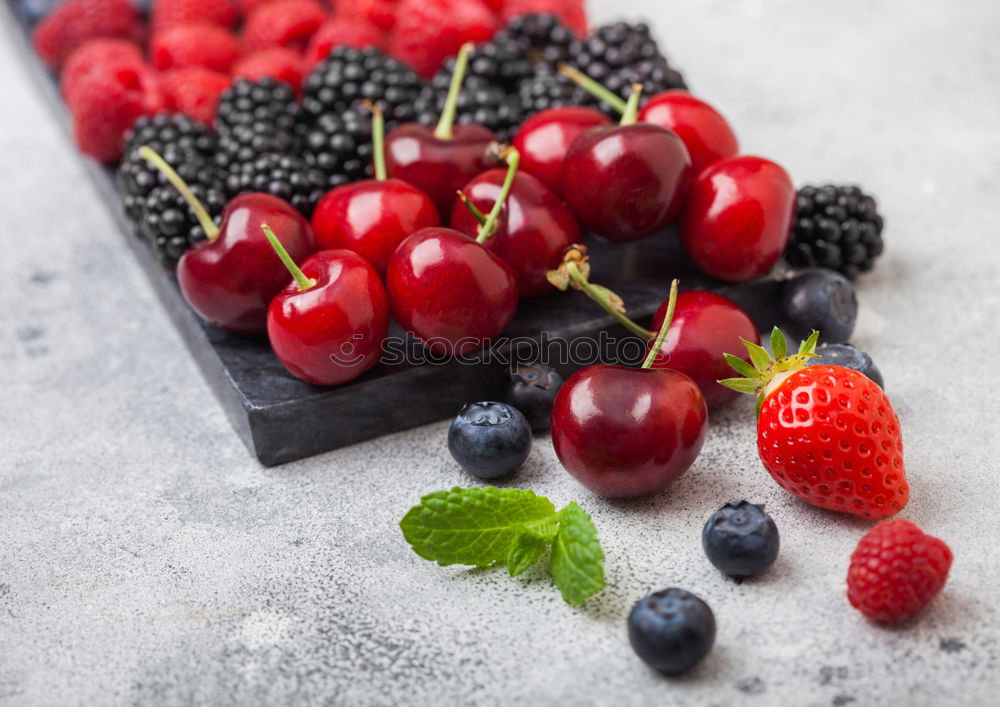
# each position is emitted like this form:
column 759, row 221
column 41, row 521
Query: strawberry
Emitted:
column 378, row 13
column 896, row 571
column 429, row 31
column 196, row 44
column 95, row 55
column 107, row 101
column 336, row 32
column 571, row 13
column 277, row 62
column 290, row 24
column 167, row 13
column 195, row 91
column 76, row 21
column 826, row 434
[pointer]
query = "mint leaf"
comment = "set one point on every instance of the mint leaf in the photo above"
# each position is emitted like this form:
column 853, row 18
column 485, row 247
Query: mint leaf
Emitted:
column 525, row 551
column 474, row 526
column 577, row 557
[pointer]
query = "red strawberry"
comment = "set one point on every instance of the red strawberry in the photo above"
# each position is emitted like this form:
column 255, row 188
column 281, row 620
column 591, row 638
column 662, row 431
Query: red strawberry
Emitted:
column 290, row 24
column 167, row 13
column 378, row 13
column 826, row 434
column 572, row 13
column 197, row 44
column 106, row 102
column 195, row 91
column 76, row 21
column 277, row 62
column 94, row 55
column 429, row 31
column 337, row 32
column 896, row 571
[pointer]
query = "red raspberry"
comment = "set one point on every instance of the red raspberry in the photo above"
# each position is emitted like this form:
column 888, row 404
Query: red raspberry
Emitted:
column 378, row 13
column 430, row 31
column 290, row 24
column 572, row 13
column 277, row 62
column 107, row 101
column 896, row 570
column 337, row 32
column 197, row 44
column 76, row 21
column 93, row 55
column 195, row 91
column 167, row 13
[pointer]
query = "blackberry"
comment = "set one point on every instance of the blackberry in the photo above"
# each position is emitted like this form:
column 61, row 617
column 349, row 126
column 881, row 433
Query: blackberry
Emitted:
column 339, row 147
column 254, row 118
column 542, row 38
column 349, row 76
column 285, row 176
column 169, row 224
column 836, row 227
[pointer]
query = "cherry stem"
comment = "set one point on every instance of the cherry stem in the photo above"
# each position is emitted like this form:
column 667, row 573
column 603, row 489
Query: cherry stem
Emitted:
column 472, row 208
column 164, row 168
column 489, row 227
column 631, row 113
column 600, row 297
column 592, row 87
column 378, row 139
column 443, row 130
column 303, row 282
column 654, row 350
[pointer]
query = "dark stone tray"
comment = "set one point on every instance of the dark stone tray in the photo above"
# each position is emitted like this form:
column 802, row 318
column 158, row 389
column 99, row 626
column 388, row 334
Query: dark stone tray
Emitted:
column 281, row 419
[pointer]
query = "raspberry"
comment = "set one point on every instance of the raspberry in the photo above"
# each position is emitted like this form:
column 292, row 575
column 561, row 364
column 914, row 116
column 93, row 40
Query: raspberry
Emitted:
column 896, row 571
column 107, row 102
column 76, row 21
column 571, row 13
column 167, row 13
column 194, row 91
column 378, row 13
column 430, row 31
column 198, row 44
column 277, row 62
column 283, row 24
column 93, row 55
column 339, row 32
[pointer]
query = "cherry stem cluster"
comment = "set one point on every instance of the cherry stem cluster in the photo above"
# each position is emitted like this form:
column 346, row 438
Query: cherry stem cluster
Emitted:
column 301, row 280
column 200, row 212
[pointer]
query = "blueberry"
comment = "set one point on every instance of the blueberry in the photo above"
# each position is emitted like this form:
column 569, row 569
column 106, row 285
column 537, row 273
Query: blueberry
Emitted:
column 489, row 440
column 849, row 357
column 671, row 630
column 532, row 390
column 741, row 539
column 819, row 299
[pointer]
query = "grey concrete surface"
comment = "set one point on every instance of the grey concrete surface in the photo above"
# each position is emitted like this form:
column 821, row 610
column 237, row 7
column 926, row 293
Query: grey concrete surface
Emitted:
column 146, row 559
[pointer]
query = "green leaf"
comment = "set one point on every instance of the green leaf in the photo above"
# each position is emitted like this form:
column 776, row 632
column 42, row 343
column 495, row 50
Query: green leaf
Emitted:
column 525, row 551
column 758, row 355
column 809, row 345
column 577, row 557
column 742, row 367
column 474, row 526
column 779, row 347
column 740, row 385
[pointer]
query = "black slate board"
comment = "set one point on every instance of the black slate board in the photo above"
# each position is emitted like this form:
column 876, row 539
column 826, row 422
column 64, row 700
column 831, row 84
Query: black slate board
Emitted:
column 281, row 419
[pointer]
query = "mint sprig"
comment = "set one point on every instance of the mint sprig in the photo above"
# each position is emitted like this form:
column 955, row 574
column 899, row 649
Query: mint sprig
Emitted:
column 512, row 527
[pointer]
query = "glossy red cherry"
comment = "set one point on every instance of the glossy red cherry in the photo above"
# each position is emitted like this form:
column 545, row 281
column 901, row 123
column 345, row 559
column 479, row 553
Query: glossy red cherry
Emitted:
column 705, row 133
column 737, row 217
column 534, row 229
column 372, row 217
column 628, row 432
column 628, row 181
column 544, row 138
column 440, row 160
column 705, row 327
column 327, row 325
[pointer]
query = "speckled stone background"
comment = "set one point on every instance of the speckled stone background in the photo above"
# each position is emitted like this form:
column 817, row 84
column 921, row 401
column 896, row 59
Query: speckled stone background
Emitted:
column 145, row 558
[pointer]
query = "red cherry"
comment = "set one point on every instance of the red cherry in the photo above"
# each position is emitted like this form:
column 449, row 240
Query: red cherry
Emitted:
column 544, row 138
column 534, row 230
column 705, row 133
column 327, row 325
column 705, row 327
column 372, row 217
column 628, row 432
column 628, row 181
column 736, row 222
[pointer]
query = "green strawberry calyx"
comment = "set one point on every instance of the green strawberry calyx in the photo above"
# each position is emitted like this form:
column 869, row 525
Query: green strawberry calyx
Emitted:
column 768, row 371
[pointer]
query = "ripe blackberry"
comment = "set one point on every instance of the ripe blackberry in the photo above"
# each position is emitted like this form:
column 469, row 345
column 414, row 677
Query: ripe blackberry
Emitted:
column 169, row 224
column 339, row 147
column 836, row 227
column 285, row 176
column 254, row 118
column 349, row 76
column 542, row 38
